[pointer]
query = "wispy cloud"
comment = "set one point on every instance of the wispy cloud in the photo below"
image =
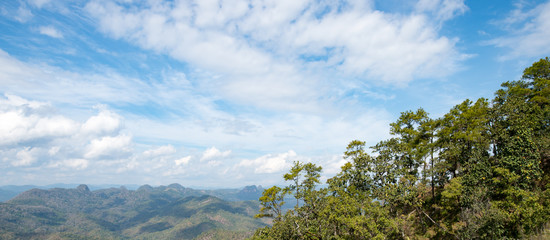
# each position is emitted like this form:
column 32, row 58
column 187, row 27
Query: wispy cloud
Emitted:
column 39, row 3
column 528, row 31
column 261, row 49
column 241, row 85
column 442, row 10
column 50, row 31
column 23, row 14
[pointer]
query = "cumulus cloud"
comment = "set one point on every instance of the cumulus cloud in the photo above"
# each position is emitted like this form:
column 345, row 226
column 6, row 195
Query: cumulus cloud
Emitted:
column 32, row 140
column 105, row 122
column 53, row 150
column 50, row 31
column 528, row 32
column 107, row 146
column 25, row 157
column 160, row 151
column 100, row 150
column 270, row 163
column 182, row 161
column 34, row 133
column 213, row 153
column 24, row 121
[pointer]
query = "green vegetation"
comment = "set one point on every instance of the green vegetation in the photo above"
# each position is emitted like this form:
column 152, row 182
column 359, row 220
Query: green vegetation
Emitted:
column 482, row 171
column 165, row 212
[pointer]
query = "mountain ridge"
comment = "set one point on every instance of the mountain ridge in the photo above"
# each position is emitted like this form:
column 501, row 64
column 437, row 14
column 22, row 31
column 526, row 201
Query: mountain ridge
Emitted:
column 163, row 212
column 8, row 192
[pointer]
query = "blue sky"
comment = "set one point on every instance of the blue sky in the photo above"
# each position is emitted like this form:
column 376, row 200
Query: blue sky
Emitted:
column 220, row 93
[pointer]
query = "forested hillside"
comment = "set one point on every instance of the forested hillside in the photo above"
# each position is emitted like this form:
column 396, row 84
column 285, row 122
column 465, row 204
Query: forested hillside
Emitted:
column 481, row 171
column 164, row 212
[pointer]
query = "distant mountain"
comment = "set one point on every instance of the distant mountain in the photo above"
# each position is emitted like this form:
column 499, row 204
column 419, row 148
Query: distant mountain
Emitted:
column 6, row 195
column 8, row 192
column 164, row 212
column 250, row 193
column 247, row 193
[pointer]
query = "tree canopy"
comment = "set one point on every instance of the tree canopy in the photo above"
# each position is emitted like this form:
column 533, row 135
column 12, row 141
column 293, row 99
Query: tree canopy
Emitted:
column 481, row 171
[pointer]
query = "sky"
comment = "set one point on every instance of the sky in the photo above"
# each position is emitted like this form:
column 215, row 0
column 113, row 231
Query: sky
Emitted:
column 229, row 93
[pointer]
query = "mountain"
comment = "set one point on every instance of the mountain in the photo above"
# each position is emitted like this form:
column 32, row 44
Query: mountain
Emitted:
column 6, row 195
column 252, row 192
column 164, row 212
column 8, row 192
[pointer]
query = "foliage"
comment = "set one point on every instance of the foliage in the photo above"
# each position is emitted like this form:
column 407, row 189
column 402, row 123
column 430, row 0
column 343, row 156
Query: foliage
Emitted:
column 171, row 212
column 481, row 171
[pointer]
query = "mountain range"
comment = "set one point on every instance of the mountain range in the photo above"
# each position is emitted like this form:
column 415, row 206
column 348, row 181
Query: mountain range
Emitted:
column 163, row 212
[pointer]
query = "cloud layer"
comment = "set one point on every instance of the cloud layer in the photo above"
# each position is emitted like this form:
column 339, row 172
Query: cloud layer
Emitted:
column 224, row 92
column 269, row 50
column 37, row 138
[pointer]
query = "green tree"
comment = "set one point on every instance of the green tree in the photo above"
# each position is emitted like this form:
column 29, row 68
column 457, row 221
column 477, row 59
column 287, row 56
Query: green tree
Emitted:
column 271, row 201
column 482, row 171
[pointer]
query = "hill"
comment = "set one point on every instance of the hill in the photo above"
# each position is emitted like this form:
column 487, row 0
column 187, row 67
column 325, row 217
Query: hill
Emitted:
column 252, row 192
column 165, row 212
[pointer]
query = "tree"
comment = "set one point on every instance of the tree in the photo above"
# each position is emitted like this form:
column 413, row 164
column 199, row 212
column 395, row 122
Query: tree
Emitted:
column 272, row 200
column 488, row 175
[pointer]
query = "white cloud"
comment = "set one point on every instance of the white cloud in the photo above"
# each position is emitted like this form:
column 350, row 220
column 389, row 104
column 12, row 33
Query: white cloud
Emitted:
column 442, row 9
column 270, row 163
column 182, row 161
column 54, row 126
column 53, row 150
column 333, row 165
column 25, row 157
column 39, row 3
column 107, row 146
column 29, row 121
column 258, row 47
column 374, row 44
column 173, row 93
column 213, row 153
column 195, row 118
column 43, row 81
column 50, row 31
column 529, row 31
column 16, row 101
column 27, row 124
column 106, row 122
column 261, row 87
column 23, row 14
column 77, row 164
column 160, row 151
column 153, row 29
column 213, row 163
